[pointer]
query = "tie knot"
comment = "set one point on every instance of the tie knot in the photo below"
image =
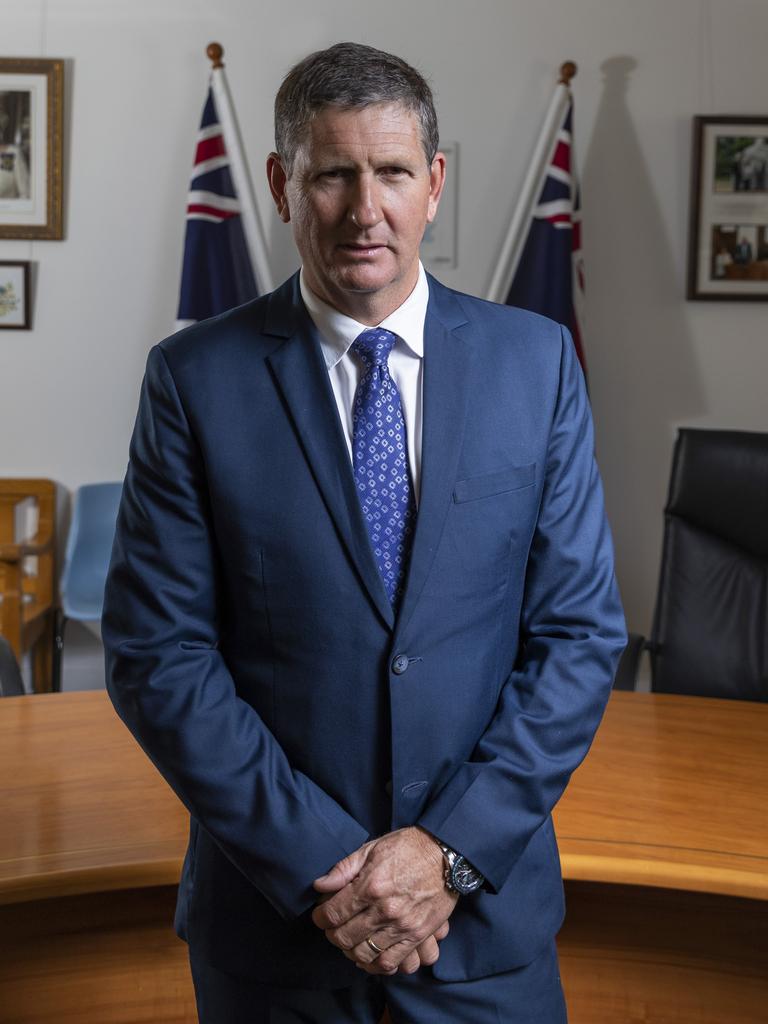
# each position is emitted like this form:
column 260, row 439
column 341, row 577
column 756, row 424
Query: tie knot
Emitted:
column 374, row 346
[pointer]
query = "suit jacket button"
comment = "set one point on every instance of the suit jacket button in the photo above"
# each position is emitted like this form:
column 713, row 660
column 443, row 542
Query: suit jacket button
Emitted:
column 400, row 664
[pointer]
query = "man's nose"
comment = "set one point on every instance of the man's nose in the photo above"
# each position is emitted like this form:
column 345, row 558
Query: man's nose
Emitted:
column 365, row 204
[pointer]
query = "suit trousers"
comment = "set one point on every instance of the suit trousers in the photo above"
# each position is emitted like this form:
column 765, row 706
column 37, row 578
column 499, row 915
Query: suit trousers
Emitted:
column 528, row 995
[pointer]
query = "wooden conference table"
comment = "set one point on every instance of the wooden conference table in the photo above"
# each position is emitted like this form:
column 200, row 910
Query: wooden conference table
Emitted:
column 663, row 835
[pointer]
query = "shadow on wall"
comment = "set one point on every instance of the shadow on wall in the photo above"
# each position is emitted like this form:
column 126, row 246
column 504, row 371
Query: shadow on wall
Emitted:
column 643, row 373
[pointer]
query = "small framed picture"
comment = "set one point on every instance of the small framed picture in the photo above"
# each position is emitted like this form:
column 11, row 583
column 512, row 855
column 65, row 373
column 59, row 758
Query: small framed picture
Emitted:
column 14, row 295
column 31, row 147
column 728, row 236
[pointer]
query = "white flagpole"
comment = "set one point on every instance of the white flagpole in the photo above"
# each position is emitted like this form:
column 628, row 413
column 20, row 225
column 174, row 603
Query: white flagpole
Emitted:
column 249, row 211
column 512, row 250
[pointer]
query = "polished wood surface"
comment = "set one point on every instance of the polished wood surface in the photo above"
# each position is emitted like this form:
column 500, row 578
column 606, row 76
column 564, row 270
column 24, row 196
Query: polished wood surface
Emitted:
column 91, row 846
column 83, row 808
column 637, row 955
column 674, row 793
column 99, row 958
column 663, row 833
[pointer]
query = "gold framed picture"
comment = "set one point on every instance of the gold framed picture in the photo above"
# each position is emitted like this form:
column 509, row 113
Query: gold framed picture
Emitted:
column 31, row 147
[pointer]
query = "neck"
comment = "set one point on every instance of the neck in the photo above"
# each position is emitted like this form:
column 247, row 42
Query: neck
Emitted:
column 368, row 308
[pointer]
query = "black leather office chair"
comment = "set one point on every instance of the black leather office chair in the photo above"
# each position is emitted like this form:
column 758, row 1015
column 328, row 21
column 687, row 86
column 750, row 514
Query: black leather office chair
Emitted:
column 710, row 626
column 10, row 676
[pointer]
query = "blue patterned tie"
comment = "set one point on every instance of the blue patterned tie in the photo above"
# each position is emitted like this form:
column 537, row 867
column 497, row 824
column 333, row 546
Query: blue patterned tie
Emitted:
column 380, row 457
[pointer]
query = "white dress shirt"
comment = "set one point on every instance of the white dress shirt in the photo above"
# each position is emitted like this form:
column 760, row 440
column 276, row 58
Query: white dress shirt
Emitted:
column 337, row 332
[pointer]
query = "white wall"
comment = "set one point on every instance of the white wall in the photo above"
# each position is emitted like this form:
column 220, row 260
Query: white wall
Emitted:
column 137, row 82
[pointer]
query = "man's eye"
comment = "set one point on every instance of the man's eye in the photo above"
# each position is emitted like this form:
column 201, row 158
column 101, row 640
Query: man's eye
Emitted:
column 395, row 172
column 333, row 172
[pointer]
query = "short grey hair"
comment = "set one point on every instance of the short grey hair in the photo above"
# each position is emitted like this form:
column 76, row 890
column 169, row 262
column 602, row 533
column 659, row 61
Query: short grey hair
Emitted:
column 349, row 75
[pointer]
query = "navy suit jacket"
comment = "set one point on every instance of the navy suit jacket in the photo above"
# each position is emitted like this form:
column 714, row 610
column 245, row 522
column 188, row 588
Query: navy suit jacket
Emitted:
column 252, row 651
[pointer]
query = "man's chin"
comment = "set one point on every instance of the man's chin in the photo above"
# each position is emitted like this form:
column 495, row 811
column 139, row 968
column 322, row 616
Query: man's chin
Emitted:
column 364, row 283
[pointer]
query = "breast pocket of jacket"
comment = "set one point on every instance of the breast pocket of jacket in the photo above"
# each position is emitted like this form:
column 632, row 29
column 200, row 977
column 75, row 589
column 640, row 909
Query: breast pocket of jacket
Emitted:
column 488, row 485
column 492, row 514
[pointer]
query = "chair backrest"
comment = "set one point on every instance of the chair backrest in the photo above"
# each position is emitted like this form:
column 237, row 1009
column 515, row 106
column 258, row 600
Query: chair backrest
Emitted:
column 88, row 550
column 710, row 630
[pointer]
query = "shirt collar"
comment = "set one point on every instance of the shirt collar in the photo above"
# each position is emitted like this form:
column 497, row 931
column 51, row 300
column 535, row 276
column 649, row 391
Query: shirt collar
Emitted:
column 338, row 331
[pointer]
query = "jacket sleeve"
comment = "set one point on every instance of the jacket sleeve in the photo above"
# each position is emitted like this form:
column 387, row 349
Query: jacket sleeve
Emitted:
column 171, row 685
column 571, row 635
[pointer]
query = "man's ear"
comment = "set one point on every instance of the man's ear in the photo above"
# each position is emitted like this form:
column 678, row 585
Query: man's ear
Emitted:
column 436, row 182
column 277, row 179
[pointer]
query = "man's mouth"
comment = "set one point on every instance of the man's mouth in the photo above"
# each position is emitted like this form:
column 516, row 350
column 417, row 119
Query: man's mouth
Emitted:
column 363, row 248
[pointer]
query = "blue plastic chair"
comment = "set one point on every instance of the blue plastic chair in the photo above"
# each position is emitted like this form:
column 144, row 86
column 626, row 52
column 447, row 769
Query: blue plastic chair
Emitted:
column 86, row 560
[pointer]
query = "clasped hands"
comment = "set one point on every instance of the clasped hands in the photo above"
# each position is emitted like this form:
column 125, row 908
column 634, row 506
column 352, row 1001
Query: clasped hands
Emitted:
column 391, row 890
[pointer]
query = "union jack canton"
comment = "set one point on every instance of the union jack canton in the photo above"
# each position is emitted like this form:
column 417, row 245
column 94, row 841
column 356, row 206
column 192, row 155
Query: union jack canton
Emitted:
column 217, row 272
column 550, row 276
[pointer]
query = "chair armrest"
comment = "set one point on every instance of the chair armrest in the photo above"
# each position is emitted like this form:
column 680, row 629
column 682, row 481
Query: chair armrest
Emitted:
column 37, row 545
column 626, row 673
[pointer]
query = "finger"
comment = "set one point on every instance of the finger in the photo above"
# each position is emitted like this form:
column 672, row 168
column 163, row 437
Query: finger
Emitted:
column 343, row 871
column 364, row 955
column 428, row 951
column 342, row 908
column 388, row 961
column 353, row 914
column 384, row 917
column 411, row 963
column 359, row 950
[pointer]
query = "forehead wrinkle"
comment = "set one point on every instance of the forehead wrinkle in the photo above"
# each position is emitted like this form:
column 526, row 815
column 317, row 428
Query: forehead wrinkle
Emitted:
column 390, row 127
column 363, row 154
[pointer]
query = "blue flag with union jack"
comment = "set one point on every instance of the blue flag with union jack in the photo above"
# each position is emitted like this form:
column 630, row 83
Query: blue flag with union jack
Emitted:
column 217, row 272
column 550, row 275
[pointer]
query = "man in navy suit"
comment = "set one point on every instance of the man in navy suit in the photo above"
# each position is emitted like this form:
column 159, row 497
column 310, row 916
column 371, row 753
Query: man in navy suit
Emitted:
column 361, row 611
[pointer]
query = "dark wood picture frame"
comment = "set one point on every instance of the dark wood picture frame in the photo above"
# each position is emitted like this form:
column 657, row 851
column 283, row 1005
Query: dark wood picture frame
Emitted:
column 47, row 220
column 728, row 218
column 26, row 298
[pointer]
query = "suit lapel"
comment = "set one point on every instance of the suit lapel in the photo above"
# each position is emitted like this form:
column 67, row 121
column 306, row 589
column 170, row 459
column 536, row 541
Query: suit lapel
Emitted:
column 302, row 377
column 445, row 387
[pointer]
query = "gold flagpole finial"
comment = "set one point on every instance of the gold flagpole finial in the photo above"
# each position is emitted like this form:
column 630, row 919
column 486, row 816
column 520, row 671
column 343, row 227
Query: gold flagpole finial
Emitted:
column 567, row 72
column 215, row 52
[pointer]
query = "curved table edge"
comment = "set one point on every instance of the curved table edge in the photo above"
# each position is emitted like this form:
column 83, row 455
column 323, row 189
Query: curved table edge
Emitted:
column 585, row 867
column 81, row 881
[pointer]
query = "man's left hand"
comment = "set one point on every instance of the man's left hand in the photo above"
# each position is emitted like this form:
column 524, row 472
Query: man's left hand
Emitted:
column 392, row 891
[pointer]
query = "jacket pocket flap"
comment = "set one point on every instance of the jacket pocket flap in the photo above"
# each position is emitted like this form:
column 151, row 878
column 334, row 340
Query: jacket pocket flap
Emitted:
column 484, row 486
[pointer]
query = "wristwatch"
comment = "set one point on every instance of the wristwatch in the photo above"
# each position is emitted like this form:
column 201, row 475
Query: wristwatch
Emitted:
column 460, row 876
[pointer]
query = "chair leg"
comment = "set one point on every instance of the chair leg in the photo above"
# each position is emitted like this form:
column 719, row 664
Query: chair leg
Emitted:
column 10, row 674
column 59, row 625
column 41, row 661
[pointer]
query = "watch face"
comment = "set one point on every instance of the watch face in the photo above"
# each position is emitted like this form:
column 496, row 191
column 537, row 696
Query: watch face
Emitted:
column 464, row 877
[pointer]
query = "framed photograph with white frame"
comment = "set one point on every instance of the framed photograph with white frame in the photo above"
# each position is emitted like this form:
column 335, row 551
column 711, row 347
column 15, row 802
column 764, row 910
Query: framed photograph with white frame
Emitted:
column 31, row 147
column 15, row 305
column 728, row 236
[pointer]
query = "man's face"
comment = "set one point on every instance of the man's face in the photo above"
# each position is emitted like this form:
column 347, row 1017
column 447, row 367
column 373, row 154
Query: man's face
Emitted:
column 359, row 197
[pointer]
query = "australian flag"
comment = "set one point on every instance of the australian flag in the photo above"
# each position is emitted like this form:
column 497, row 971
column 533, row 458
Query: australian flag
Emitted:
column 550, row 275
column 217, row 272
